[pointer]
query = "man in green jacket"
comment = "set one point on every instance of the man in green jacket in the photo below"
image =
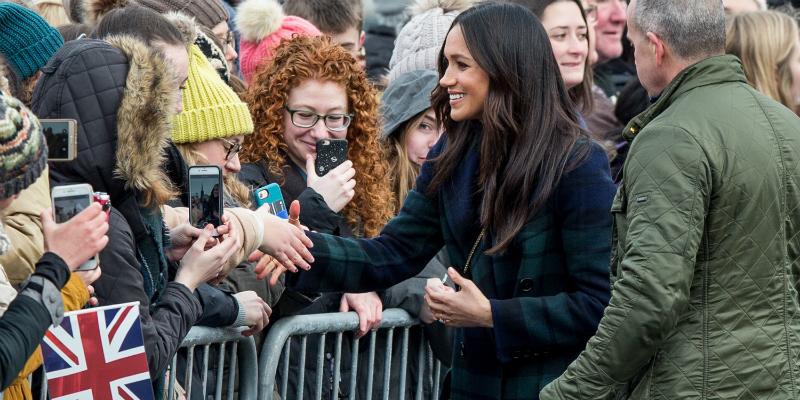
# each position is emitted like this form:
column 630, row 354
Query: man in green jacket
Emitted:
column 705, row 247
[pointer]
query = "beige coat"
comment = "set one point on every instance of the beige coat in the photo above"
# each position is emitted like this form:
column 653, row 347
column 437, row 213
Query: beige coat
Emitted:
column 24, row 228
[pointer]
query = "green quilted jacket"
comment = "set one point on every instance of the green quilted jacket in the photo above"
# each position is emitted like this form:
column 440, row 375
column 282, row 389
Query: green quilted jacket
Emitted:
column 705, row 251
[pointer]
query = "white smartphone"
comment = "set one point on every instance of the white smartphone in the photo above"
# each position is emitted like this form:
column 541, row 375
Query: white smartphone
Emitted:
column 205, row 195
column 68, row 201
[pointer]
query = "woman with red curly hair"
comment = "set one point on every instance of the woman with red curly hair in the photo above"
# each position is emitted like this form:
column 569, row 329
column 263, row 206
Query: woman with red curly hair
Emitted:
column 314, row 90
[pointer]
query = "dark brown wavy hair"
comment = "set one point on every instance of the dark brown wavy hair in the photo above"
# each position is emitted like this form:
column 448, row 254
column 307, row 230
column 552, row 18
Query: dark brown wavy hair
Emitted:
column 300, row 59
column 530, row 131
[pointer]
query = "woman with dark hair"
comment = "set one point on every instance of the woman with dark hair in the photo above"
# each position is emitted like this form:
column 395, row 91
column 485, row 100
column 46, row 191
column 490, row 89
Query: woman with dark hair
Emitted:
column 519, row 196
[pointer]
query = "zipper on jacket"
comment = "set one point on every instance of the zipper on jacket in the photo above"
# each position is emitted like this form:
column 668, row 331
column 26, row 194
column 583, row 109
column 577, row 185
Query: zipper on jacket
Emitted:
column 705, row 316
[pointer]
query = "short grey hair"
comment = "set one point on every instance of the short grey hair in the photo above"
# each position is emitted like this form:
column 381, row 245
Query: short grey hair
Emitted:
column 692, row 28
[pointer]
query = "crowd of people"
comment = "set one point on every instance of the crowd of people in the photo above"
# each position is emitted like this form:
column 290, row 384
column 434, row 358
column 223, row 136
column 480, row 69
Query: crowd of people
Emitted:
column 578, row 199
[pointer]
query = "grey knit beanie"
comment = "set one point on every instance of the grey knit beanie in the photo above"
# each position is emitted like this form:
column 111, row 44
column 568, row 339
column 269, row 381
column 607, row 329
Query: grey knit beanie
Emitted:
column 418, row 44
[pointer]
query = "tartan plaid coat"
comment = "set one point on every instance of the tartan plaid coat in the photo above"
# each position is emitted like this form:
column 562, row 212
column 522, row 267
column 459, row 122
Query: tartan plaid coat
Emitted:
column 547, row 291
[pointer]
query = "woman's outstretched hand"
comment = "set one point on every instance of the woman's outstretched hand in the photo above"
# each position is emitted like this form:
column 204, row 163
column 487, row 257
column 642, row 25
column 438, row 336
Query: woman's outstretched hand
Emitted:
column 269, row 266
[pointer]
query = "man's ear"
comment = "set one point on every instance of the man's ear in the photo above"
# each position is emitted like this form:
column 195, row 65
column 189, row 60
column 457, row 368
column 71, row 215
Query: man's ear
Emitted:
column 656, row 45
column 361, row 38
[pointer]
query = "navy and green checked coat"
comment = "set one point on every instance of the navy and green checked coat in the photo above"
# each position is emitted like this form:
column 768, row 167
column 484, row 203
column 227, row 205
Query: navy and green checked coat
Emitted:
column 547, row 291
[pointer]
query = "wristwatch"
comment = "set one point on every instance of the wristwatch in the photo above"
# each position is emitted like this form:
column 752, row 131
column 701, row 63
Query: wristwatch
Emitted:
column 47, row 294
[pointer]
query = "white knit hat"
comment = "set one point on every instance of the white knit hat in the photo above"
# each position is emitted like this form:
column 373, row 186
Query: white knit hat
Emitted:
column 418, row 44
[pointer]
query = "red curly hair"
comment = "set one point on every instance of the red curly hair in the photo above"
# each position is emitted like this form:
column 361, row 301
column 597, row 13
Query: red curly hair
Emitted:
column 300, row 59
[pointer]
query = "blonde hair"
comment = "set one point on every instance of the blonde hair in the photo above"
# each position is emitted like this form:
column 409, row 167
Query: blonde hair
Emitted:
column 402, row 171
column 764, row 41
column 53, row 12
column 233, row 187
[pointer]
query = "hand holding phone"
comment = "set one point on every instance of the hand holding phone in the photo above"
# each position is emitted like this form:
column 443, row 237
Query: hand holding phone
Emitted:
column 337, row 187
column 76, row 228
column 69, row 201
column 206, row 194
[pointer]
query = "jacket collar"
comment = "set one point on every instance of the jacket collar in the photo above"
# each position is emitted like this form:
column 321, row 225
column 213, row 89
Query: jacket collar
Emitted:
column 710, row 71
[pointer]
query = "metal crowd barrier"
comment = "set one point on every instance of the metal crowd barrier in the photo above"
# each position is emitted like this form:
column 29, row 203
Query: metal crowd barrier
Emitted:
column 257, row 376
column 242, row 355
column 277, row 346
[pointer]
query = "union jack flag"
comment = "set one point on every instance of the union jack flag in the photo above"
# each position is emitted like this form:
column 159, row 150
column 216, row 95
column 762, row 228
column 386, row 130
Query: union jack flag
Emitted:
column 97, row 354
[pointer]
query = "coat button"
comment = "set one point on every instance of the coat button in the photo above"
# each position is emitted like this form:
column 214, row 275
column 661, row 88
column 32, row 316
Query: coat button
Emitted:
column 526, row 285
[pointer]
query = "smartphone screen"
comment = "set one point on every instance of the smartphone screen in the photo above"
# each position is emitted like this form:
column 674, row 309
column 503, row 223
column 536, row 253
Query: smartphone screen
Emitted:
column 57, row 134
column 205, row 199
column 68, row 206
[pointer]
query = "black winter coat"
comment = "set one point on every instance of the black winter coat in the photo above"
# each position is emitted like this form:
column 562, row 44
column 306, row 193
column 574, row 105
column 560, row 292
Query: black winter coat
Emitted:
column 121, row 96
column 26, row 320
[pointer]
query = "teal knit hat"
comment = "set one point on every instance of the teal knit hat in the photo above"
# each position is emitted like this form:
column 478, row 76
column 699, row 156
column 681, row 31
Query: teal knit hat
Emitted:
column 23, row 151
column 26, row 40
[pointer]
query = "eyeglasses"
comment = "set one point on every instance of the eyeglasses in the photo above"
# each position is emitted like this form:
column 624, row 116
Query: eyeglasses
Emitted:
column 231, row 148
column 307, row 119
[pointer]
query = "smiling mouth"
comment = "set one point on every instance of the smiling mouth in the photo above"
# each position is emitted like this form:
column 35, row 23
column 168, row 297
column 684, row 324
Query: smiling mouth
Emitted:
column 454, row 97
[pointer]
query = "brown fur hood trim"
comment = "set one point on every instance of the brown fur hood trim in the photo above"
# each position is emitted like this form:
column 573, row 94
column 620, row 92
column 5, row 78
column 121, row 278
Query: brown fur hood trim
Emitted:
column 144, row 121
column 94, row 10
column 185, row 24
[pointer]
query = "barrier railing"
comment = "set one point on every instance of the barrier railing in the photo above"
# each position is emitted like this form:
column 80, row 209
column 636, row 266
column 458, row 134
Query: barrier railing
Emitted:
column 257, row 375
column 277, row 349
column 242, row 355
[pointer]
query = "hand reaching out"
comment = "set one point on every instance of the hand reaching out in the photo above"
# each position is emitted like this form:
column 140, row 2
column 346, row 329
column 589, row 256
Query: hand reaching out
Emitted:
column 267, row 265
column 286, row 243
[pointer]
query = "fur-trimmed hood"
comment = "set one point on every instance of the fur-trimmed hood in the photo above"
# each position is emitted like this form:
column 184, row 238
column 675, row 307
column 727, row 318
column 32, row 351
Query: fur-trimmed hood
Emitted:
column 122, row 96
column 94, row 10
column 185, row 24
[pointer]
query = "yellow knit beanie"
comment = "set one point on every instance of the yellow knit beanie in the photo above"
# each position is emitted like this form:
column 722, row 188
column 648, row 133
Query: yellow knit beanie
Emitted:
column 211, row 109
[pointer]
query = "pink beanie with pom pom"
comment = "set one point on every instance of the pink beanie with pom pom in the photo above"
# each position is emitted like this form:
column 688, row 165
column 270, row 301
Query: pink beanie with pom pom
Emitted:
column 264, row 26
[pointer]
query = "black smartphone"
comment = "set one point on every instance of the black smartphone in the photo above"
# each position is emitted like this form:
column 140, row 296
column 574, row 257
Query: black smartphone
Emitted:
column 330, row 154
column 205, row 195
column 62, row 138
